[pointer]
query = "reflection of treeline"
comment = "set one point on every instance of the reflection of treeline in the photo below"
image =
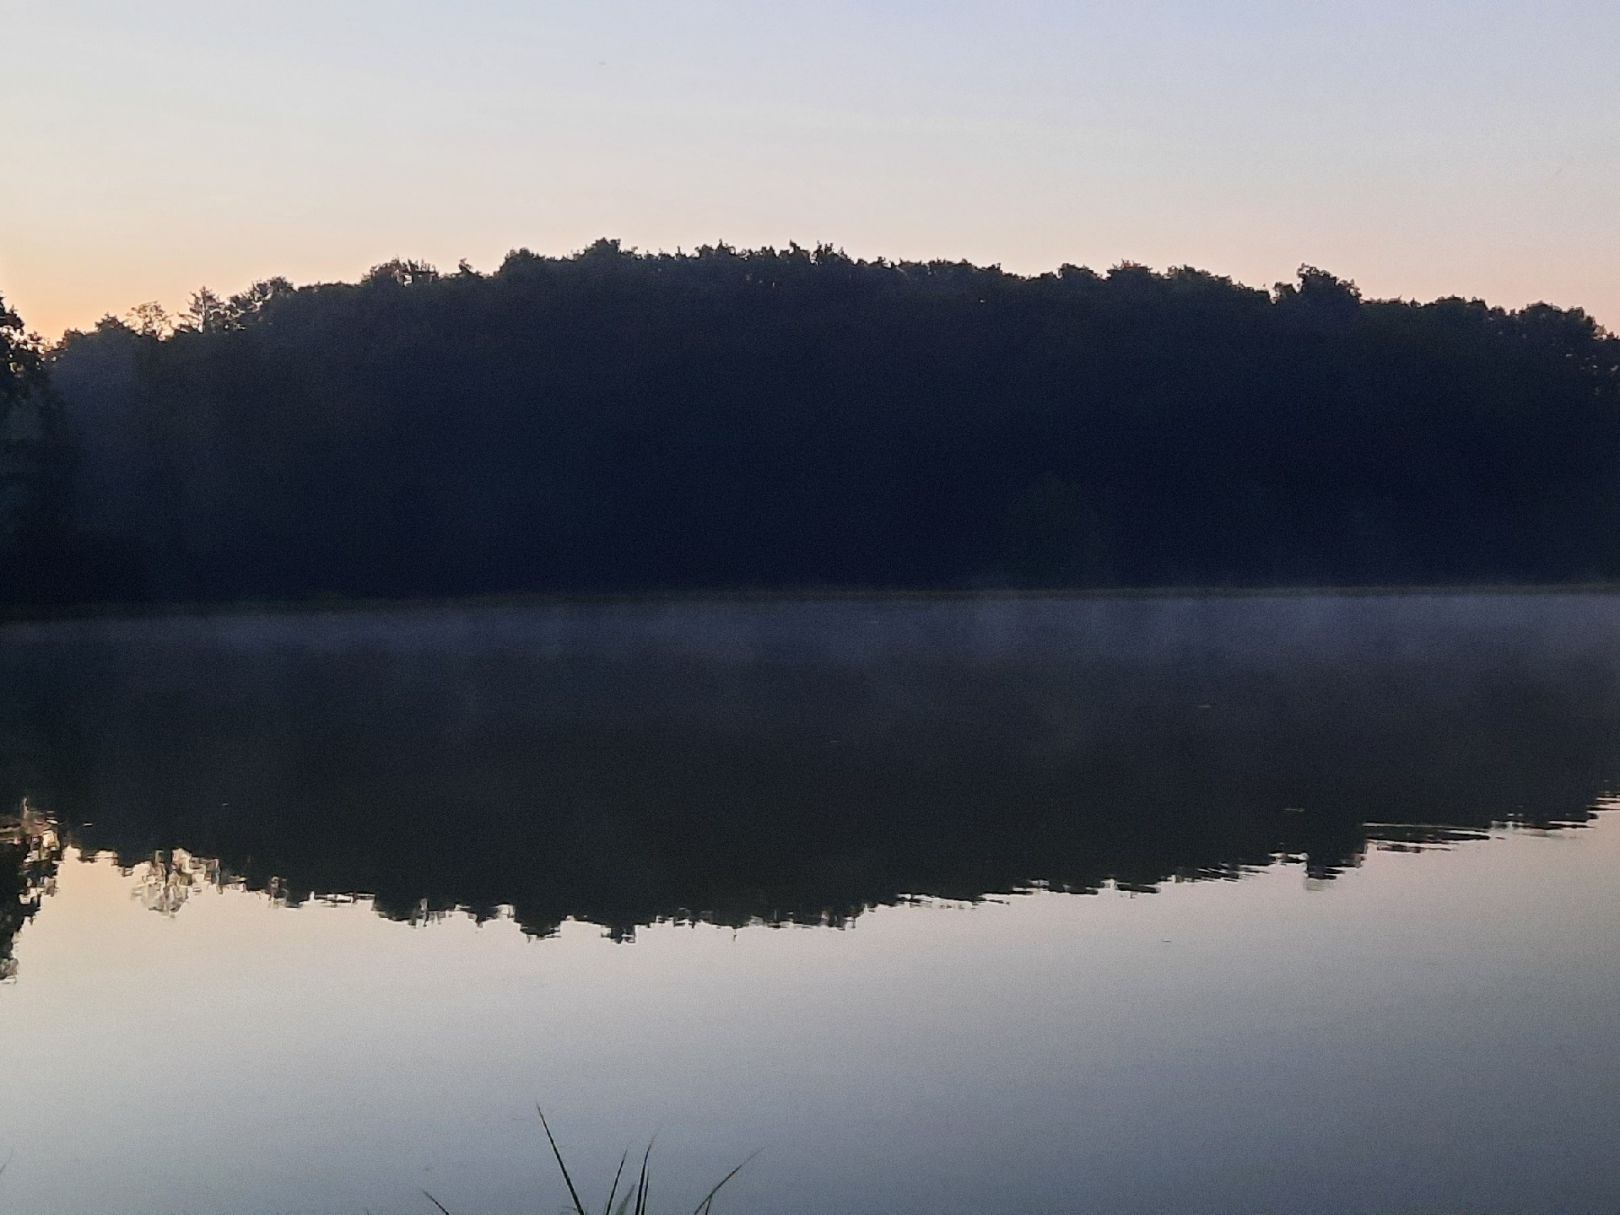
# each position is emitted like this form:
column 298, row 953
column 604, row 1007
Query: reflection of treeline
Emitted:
column 801, row 763
column 29, row 856
column 767, row 418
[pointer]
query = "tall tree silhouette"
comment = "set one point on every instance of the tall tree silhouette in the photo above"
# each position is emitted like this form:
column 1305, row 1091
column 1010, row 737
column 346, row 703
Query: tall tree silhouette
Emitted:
column 35, row 473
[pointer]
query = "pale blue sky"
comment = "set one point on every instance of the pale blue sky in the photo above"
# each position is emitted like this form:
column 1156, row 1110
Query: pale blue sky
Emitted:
column 1422, row 148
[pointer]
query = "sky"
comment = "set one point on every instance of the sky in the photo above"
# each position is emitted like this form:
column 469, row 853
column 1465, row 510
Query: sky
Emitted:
column 1421, row 147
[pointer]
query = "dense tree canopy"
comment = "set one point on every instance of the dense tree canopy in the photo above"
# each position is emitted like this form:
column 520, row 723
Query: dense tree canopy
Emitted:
column 768, row 418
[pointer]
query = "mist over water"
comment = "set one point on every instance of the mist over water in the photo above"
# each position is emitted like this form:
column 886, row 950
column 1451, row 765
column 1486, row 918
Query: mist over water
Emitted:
column 592, row 813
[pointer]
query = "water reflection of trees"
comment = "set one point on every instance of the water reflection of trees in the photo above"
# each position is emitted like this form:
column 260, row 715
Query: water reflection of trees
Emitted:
column 166, row 880
column 30, row 853
column 778, row 763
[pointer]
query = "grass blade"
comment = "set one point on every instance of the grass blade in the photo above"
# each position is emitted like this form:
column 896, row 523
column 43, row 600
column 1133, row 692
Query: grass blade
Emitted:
column 641, row 1183
column 608, row 1210
column 435, row 1202
column 707, row 1205
column 579, row 1207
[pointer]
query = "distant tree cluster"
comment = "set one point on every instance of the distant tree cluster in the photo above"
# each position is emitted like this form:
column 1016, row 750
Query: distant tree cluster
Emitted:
column 787, row 418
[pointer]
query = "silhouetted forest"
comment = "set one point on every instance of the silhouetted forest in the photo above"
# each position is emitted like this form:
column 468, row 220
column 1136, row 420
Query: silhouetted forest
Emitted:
column 733, row 418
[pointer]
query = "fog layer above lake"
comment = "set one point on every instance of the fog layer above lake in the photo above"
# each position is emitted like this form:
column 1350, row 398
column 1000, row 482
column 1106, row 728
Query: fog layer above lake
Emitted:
column 802, row 761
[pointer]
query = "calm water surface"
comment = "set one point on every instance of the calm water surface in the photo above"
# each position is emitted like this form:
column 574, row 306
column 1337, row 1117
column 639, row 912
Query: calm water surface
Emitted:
column 1271, row 904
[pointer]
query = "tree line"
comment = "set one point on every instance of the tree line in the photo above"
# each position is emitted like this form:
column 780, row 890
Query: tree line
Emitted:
column 726, row 418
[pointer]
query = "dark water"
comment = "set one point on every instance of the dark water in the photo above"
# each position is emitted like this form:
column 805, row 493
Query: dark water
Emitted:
column 303, row 913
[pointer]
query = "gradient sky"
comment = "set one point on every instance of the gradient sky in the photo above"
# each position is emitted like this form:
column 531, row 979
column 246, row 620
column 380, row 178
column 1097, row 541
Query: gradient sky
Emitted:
column 1420, row 147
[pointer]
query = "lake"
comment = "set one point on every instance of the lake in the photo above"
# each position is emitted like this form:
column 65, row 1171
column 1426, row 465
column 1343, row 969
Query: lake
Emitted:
column 1026, row 904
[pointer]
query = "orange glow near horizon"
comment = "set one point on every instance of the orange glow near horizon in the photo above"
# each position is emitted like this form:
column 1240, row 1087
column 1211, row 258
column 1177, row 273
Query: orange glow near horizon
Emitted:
column 53, row 300
column 1420, row 151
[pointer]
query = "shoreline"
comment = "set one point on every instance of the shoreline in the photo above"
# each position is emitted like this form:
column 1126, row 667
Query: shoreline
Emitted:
column 23, row 615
